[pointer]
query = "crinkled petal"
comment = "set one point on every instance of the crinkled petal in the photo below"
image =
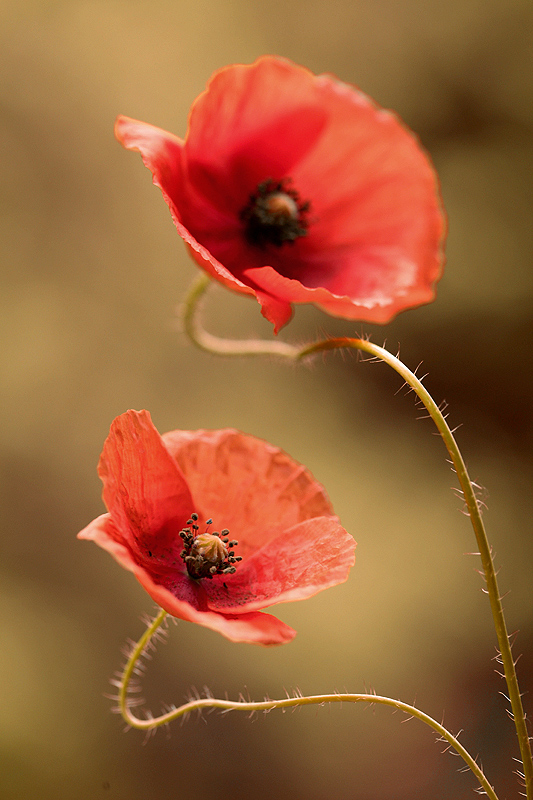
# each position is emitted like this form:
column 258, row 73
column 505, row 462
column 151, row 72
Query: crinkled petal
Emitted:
column 277, row 311
column 247, row 485
column 304, row 560
column 253, row 627
column 292, row 545
column 144, row 490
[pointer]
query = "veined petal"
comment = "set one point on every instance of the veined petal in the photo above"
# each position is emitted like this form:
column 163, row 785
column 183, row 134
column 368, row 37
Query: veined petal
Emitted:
column 144, row 489
column 304, row 560
column 252, row 627
column 245, row 484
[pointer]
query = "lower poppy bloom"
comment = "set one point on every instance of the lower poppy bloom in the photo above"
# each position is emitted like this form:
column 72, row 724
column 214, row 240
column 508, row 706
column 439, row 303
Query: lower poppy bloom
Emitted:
column 297, row 188
column 217, row 525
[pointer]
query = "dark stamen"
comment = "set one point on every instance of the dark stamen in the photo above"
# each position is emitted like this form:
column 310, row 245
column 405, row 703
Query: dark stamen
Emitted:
column 274, row 214
column 207, row 554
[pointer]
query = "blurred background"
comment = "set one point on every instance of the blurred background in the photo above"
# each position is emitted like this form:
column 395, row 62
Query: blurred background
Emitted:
column 93, row 272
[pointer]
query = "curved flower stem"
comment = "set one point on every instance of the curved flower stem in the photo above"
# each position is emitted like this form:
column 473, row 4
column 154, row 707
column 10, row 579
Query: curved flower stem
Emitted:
column 474, row 513
column 227, row 347
column 151, row 722
column 139, row 649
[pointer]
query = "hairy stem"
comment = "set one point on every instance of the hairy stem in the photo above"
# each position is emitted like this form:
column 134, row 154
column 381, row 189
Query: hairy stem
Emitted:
column 150, row 722
column 218, row 346
column 474, row 512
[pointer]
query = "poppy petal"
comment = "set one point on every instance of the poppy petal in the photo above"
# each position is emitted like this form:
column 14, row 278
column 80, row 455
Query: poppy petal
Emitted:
column 247, row 485
column 274, row 309
column 162, row 153
column 267, row 120
column 104, row 533
column 304, row 560
column 252, row 627
column 380, row 293
column 144, row 489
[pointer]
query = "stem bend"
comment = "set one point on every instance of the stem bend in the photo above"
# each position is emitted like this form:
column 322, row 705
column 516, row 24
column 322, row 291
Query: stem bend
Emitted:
column 150, row 723
column 226, row 347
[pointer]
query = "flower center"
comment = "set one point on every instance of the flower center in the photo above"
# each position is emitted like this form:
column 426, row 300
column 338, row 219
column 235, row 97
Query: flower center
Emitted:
column 274, row 214
column 207, row 554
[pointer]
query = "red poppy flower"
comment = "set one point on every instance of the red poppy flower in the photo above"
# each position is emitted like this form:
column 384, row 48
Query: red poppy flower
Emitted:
column 277, row 538
column 297, row 188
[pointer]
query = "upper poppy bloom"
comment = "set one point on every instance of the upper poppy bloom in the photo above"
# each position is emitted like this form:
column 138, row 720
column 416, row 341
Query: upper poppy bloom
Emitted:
column 217, row 525
column 297, row 188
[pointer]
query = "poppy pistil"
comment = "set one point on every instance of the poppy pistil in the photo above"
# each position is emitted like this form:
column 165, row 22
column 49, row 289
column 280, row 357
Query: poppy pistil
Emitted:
column 274, row 214
column 207, row 554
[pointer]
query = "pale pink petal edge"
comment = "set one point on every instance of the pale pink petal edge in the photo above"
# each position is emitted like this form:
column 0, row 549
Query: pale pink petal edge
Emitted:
column 278, row 289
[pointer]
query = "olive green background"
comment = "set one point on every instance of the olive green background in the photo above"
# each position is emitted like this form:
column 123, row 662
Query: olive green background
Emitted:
column 93, row 273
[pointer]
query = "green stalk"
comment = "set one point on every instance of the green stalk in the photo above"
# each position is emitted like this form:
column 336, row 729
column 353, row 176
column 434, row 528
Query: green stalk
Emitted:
column 476, row 519
column 151, row 722
column 220, row 346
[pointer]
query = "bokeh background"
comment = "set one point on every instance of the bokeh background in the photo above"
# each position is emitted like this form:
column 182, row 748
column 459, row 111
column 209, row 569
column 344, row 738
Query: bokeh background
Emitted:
column 93, row 272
